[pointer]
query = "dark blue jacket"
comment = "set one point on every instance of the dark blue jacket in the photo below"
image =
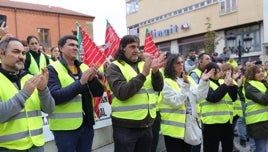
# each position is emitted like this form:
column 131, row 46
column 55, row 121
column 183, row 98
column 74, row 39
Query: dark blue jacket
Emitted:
column 62, row 95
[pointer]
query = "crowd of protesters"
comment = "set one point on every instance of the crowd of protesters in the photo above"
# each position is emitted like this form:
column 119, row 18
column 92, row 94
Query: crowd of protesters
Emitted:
column 221, row 93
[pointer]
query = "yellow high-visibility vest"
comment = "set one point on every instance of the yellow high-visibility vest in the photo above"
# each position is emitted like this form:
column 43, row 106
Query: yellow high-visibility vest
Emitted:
column 23, row 130
column 34, row 68
column 137, row 106
column 256, row 112
column 69, row 115
column 219, row 112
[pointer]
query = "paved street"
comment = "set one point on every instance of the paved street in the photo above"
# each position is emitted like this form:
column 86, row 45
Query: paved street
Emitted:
column 109, row 148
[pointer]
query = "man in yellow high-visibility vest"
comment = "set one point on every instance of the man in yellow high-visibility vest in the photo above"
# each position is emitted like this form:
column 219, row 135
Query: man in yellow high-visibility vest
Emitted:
column 22, row 97
column 135, row 84
column 73, row 85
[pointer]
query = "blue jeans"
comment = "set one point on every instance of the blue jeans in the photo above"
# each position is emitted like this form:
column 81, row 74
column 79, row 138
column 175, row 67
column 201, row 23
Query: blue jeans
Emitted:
column 132, row 139
column 79, row 140
column 241, row 124
column 261, row 145
column 252, row 144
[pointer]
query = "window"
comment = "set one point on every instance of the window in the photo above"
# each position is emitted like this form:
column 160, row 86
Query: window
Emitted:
column 133, row 31
column 185, row 9
column 227, row 6
column 132, row 6
column 44, row 36
column 209, row 1
column 165, row 47
column 190, row 8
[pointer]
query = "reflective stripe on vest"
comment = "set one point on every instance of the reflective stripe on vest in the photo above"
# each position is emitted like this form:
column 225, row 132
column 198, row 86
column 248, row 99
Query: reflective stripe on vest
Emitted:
column 137, row 106
column 18, row 136
column 24, row 129
column 197, row 71
column 256, row 112
column 237, row 104
column 24, row 115
column 172, row 118
column 219, row 112
column 34, row 68
column 69, row 115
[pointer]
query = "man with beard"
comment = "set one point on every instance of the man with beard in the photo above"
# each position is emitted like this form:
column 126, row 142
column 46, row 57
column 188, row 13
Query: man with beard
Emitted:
column 135, row 84
column 22, row 97
column 191, row 61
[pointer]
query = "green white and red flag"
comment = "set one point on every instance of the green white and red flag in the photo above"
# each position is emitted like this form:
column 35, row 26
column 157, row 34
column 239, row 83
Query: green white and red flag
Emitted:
column 80, row 39
column 90, row 54
column 112, row 40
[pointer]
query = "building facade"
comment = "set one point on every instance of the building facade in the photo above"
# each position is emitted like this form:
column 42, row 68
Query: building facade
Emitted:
column 178, row 26
column 48, row 23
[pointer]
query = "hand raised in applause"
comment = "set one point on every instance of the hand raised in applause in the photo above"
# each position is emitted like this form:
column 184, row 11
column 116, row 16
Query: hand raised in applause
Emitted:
column 147, row 65
column 89, row 74
column 3, row 30
column 158, row 62
column 228, row 79
column 31, row 84
column 206, row 75
column 43, row 79
column 184, row 77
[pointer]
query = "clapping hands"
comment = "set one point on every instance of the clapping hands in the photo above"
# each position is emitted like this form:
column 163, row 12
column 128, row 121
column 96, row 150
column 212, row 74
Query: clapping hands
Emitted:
column 38, row 81
column 207, row 74
column 89, row 74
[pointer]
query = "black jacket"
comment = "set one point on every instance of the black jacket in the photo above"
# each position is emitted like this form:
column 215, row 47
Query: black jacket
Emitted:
column 257, row 130
column 216, row 95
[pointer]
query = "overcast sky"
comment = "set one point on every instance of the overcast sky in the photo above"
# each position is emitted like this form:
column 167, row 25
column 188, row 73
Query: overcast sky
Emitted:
column 113, row 10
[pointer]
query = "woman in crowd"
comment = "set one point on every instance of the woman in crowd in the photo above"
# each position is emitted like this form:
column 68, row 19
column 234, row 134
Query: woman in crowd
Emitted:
column 217, row 111
column 180, row 95
column 256, row 113
column 55, row 53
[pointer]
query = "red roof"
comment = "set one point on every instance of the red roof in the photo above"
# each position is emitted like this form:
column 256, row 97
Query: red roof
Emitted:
column 41, row 8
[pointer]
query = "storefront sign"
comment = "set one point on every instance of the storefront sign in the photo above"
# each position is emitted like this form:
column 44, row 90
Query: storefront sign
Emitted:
column 169, row 31
column 165, row 32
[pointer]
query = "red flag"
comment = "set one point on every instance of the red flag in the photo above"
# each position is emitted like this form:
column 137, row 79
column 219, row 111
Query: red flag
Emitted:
column 149, row 45
column 92, row 53
column 112, row 40
column 97, row 101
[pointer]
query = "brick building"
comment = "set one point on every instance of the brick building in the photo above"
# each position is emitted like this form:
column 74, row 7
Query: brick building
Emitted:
column 48, row 23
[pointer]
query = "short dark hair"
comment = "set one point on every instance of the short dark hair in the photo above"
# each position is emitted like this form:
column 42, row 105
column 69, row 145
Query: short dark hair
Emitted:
column 201, row 56
column 211, row 65
column 24, row 43
column 62, row 40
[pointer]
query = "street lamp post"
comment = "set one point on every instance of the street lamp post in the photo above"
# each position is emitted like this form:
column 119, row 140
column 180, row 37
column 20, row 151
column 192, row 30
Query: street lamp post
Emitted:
column 239, row 50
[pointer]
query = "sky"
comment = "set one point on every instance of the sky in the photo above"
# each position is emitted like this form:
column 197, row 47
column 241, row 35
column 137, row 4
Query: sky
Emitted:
column 112, row 10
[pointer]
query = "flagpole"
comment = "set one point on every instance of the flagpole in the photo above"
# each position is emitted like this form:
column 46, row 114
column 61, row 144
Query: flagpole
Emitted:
column 78, row 36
